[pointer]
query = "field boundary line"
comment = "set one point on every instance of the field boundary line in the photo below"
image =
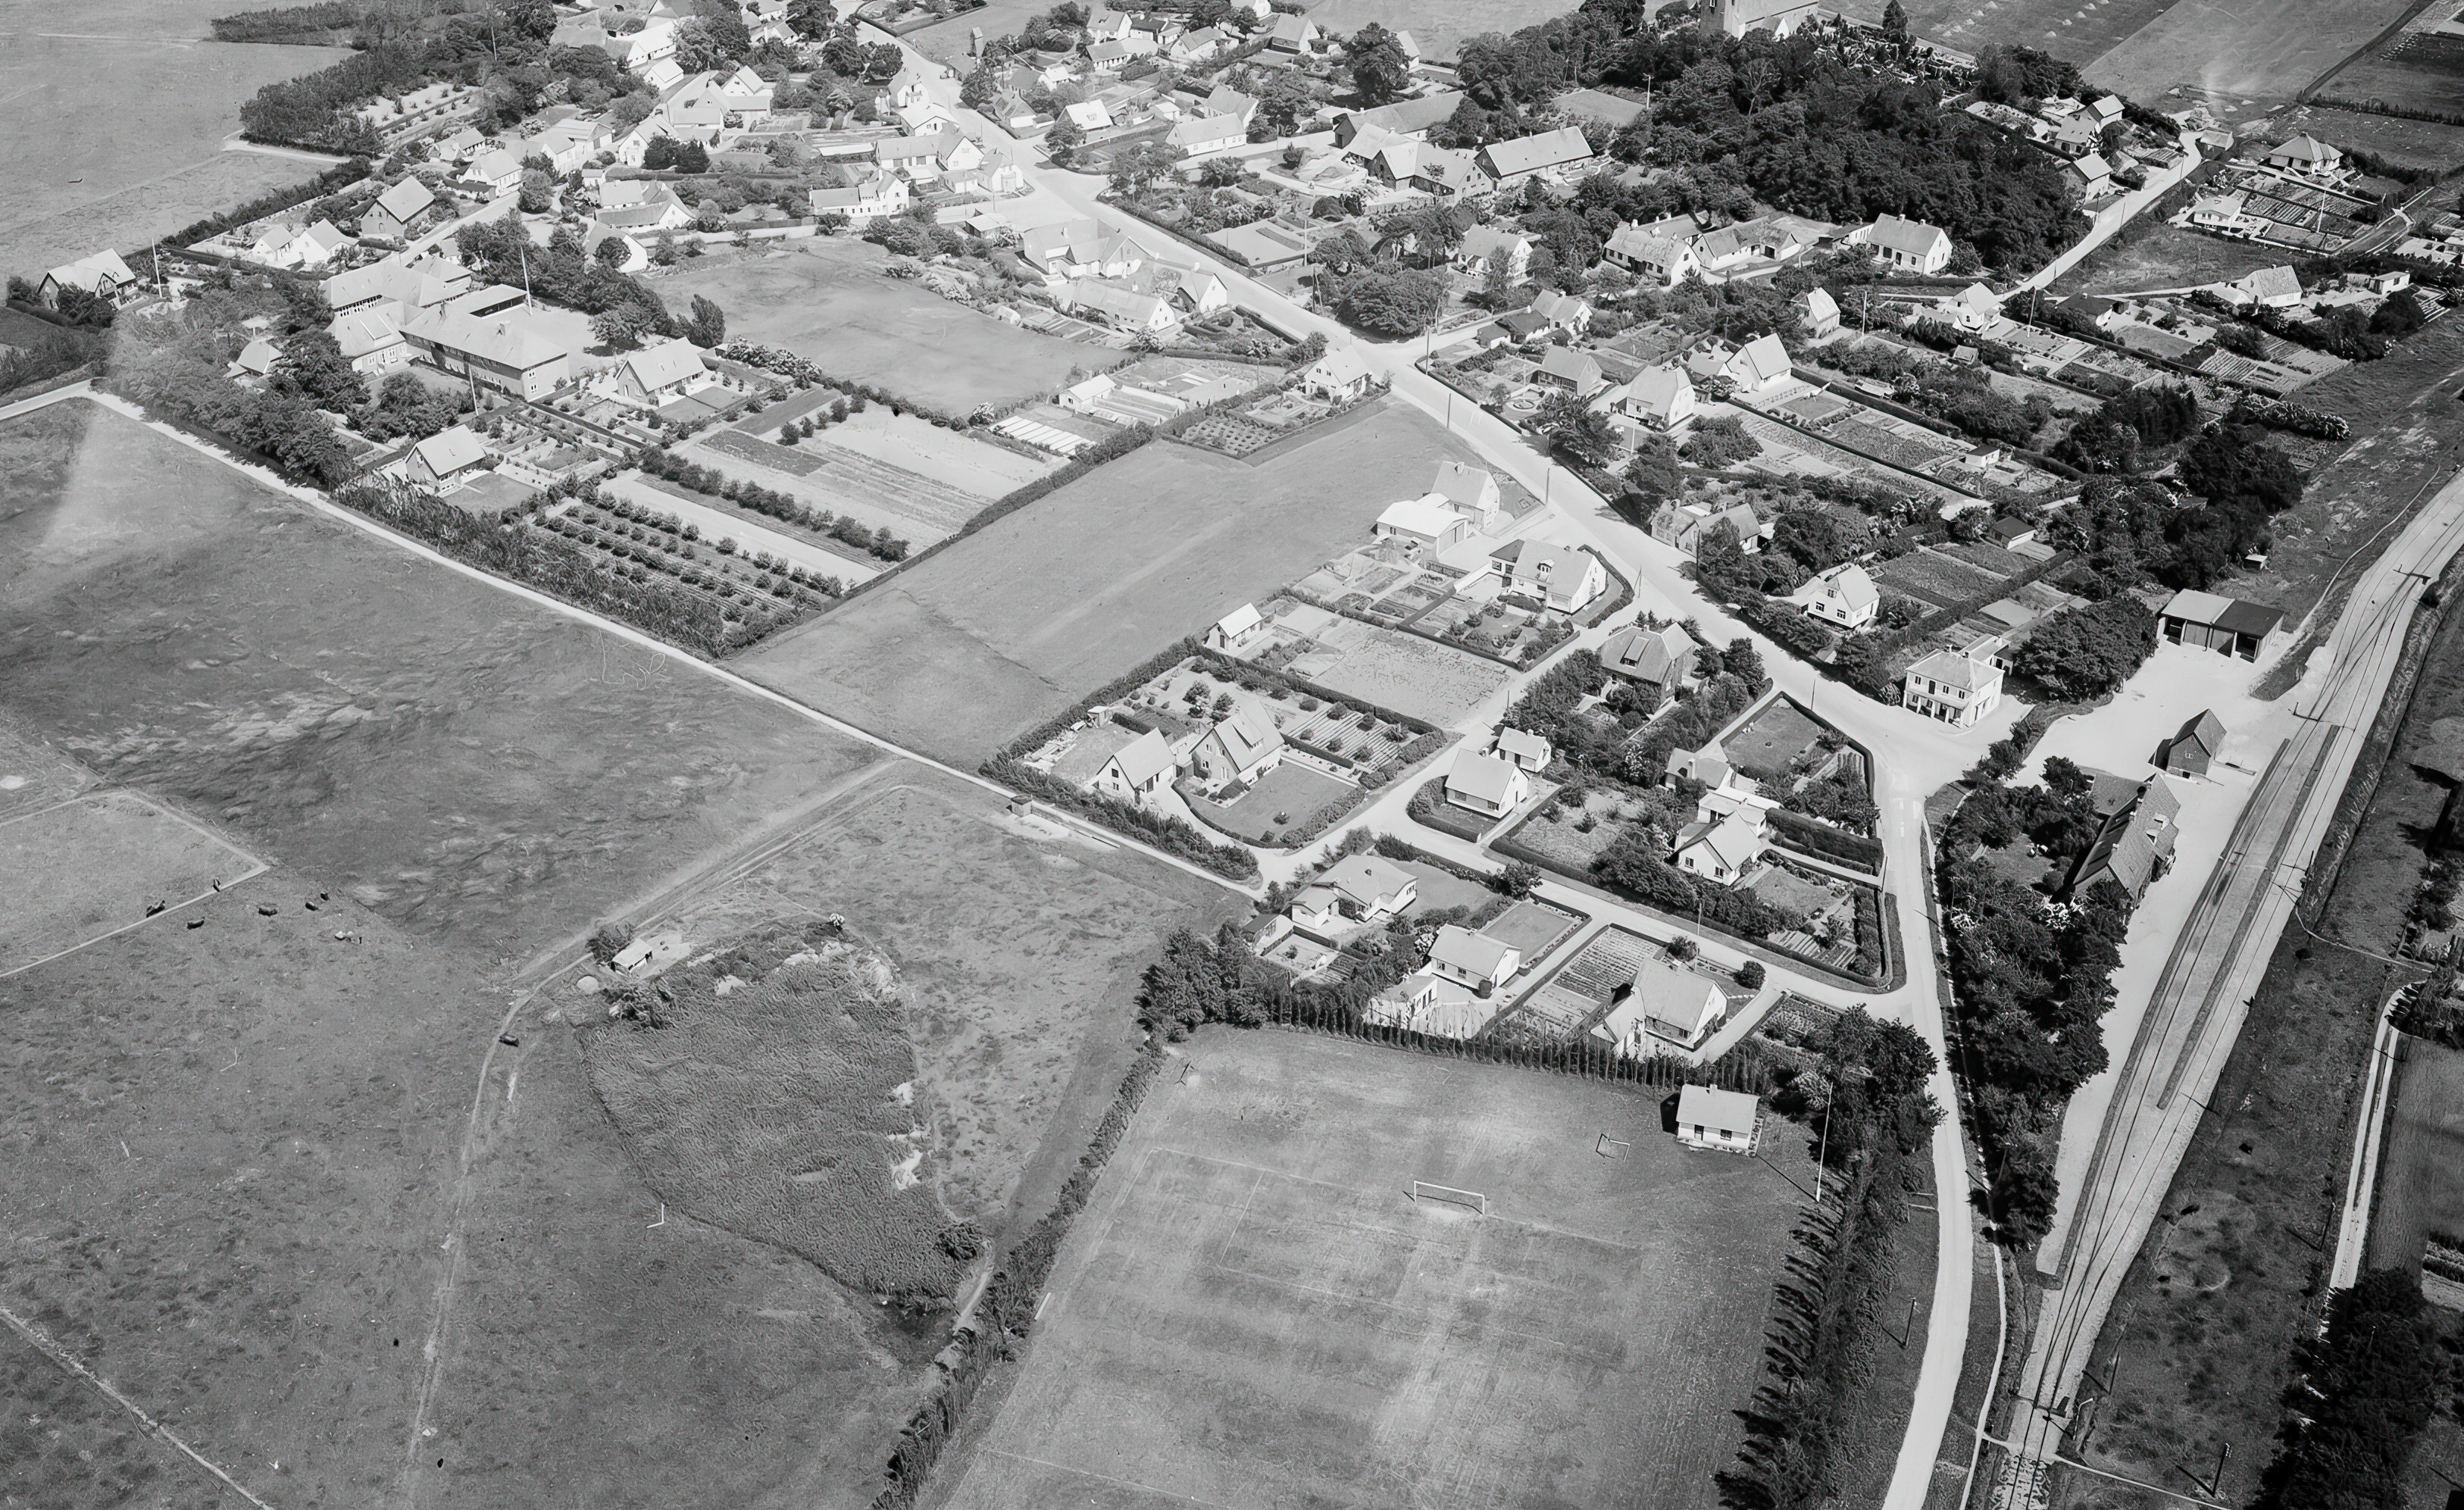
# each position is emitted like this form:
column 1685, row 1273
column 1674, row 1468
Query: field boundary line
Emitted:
column 255, row 868
column 43, row 1343
column 321, row 504
column 1125, row 1483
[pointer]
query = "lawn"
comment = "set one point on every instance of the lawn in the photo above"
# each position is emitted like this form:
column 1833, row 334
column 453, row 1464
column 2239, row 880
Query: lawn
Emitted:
column 947, row 41
column 1440, row 29
column 1292, row 793
column 2148, row 254
column 2063, row 28
column 459, row 760
column 2219, row 1299
column 1252, row 1312
column 2410, row 144
column 2418, row 69
column 1405, row 672
column 1018, row 949
column 829, row 302
column 2263, row 50
column 74, row 873
column 959, row 653
column 76, row 189
column 1769, row 747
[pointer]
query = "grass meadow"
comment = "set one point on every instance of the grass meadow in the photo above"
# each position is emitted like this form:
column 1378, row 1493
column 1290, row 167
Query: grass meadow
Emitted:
column 959, row 654
column 829, row 302
column 1253, row 1312
column 461, row 762
column 775, row 1096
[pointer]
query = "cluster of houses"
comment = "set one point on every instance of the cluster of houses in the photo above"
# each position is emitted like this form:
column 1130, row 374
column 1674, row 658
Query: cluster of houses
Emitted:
column 2300, row 194
column 2088, row 136
column 1448, row 521
column 1115, row 278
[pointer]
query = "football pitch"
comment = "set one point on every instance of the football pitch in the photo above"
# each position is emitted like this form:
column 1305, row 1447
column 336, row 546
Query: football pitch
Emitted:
column 1254, row 1312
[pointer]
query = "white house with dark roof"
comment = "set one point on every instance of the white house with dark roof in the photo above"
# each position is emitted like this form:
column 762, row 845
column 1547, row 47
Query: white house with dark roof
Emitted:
column 1577, row 372
column 1908, row 246
column 1844, row 595
column 2305, row 154
column 1952, row 689
column 1557, row 577
column 1486, row 783
column 1494, row 249
column 1661, row 1003
column 1722, row 850
column 2267, row 288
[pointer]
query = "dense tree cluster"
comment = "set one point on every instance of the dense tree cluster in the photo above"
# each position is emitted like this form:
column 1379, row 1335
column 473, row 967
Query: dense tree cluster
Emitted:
column 176, row 363
column 501, row 252
column 2032, row 981
column 2374, row 1381
column 2088, row 650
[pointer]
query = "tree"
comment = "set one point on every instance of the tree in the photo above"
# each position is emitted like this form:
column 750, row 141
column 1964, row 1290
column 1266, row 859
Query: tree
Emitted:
column 1895, row 23
column 715, row 38
column 1518, row 880
column 1061, row 143
column 1281, row 106
column 619, row 329
column 538, row 192
column 980, row 89
column 1380, row 69
column 708, row 326
column 2376, row 1377
column 2022, row 1196
column 314, row 367
column 1750, row 975
column 1655, row 474
column 1390, row 304
column 1579, row 430
column 2087, row 651
column 1717, row 443
column 811, row 19
column 1135, row 168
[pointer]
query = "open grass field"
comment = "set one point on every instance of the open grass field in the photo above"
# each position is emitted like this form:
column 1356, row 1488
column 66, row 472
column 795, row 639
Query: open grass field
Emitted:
column 829, row 302
column 1252, row 1312
column 2265, row 51
column 93, row 865
column 1389, row 668
column 79, row 185
column 959, row 654
column 1018, row 949
column 2150, row 255
column 1439, row 28
column 225, row 1177
column 946, row 41
column 459, row 760
column 2207, row 1323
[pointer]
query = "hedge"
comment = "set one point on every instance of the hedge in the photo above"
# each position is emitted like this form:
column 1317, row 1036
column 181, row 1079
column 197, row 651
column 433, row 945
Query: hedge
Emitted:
column 1825, row 842
column 1175, row 836
column 1111, row 691
column 341, row 175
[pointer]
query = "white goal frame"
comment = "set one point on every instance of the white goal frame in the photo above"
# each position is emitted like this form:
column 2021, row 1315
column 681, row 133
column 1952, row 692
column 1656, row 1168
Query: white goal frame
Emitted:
column 1423, row 1190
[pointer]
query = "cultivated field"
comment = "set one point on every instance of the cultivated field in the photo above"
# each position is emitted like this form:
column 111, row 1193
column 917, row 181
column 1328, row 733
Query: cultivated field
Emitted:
column 959, row 654
column 2075, row 30
column 89, row 868
column 459, row 760
column 1389, row 669
column 75, row 186
column 2419, row 69
column 1018, row 949
column 1440, row 27
column 1253, row 1313
column 2254, row 50
column 2420, row 1175
column 829, row 302
column 893, row 472
column 946, row 42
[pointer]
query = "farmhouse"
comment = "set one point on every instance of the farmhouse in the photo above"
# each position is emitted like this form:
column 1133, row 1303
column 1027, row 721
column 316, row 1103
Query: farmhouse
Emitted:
column 1340, row 374
column 1662, row 250
column 1908, row 246
column 395, row 210
column 1721, row 1120
column 1409, row 118
column 1240, row 748
column 1844, row 595
column 1565, row 150
column 1952, row 689
column 1485, row 784
column 101, row 276
column 498, row 171
column 1660, row 397
column 1557, row 576
column 2137, row 839
column 1663, row 1002
column 1654, row 661
column 1115, row 762
column 867, row 201
column 2190, row 751
column 502, row 352
column 657, row 375
column 2267, row 288
column 1120, row 308
column 2226, row 624
column 1194, row 136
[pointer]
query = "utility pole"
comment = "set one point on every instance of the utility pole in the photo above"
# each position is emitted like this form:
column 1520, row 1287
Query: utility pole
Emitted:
column 2216, row 1485
column 1822, row 1159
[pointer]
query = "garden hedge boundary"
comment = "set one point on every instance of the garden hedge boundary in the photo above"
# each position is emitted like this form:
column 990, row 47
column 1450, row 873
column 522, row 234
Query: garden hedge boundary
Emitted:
column 341, row 175
column 1824, row 842
column 1175, row 836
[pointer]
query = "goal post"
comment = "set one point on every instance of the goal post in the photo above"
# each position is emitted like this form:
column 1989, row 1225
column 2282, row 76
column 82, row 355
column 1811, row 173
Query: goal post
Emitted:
column 1423, row 1190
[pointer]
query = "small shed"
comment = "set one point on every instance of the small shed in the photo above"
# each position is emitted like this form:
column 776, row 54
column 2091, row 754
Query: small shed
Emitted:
column 2228, row 625
column 2189, row 751
column 1726, row 1120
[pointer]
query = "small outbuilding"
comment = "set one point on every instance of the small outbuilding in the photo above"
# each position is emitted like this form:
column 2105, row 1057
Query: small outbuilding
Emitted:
column 2226, row 626
column 2194, row 749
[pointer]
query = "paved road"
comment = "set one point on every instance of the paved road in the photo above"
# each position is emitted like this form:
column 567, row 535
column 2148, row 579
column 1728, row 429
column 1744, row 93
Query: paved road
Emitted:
column 2201, row 999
